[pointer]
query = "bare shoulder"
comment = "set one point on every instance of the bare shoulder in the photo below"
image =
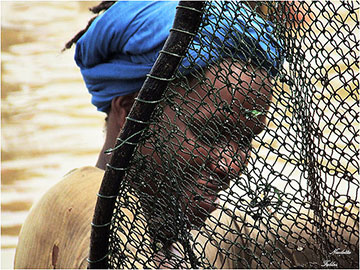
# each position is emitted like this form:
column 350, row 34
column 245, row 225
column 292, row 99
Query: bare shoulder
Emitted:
column 77, row 188
column 57, row 229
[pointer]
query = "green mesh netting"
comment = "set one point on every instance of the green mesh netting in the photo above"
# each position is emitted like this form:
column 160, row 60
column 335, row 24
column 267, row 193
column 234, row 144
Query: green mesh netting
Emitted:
column 214, row 185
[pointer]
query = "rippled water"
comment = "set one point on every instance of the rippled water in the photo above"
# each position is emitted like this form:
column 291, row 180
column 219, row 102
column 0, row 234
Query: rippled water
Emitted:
column 48, row 124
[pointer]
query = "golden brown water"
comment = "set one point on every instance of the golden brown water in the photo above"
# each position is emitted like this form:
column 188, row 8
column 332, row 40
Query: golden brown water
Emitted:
column 48, row 124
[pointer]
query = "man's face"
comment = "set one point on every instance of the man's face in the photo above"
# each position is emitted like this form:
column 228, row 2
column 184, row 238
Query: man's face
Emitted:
column 204, row 137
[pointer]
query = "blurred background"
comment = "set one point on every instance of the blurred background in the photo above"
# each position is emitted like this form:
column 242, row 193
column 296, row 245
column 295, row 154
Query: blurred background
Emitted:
column 48, row 126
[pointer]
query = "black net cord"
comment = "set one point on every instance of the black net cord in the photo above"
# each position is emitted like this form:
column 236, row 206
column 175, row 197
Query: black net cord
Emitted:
column 293, row 205
column 187, row 20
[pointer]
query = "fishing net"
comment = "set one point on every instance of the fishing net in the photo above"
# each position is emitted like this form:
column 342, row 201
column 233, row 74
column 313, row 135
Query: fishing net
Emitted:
column 251, row 161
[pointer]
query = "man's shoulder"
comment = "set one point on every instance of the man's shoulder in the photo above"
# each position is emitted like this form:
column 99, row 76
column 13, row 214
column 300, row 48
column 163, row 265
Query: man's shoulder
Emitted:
column 84, row 172
column 75, row 190
column 80, row 179
column 85, row 169
column 78, row 187
column 65, row 209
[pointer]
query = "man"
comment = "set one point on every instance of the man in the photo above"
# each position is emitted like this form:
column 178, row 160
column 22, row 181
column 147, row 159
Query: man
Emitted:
column 56, row 233
column 113, row 78
column 115, row 68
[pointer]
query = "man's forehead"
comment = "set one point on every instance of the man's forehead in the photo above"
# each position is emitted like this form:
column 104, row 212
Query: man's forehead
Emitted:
column 277, row 185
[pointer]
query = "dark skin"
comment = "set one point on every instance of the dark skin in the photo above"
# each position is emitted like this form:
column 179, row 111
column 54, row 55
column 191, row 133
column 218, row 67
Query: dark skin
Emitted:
column 252, row 93
column 120, row 108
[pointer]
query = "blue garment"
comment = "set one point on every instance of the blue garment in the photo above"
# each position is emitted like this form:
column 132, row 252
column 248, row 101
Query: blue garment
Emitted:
column 122, row 44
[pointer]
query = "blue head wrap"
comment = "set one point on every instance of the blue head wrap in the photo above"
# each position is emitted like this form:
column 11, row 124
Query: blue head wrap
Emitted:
column 122, row 44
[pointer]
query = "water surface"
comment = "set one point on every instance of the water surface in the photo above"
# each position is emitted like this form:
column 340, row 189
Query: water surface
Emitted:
column 48, row 124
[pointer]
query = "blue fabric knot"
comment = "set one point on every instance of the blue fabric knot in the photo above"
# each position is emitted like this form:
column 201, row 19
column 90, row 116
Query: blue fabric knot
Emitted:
column 122, row 44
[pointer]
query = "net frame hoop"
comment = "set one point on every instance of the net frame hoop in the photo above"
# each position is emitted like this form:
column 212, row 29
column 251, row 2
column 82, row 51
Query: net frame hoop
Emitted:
column 186, row 23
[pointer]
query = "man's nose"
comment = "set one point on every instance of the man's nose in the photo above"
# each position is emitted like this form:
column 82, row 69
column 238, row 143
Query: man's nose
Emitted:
column 229, row 161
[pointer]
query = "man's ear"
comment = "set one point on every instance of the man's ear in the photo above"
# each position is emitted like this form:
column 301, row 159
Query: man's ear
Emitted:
column 120, row 108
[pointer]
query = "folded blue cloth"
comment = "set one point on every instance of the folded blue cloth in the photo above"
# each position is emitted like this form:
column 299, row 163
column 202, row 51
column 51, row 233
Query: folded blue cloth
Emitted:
column 122, row 44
